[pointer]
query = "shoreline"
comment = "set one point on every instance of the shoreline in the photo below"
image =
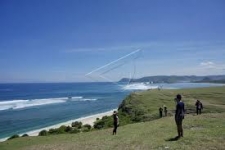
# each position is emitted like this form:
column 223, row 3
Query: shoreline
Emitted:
column 85, row 120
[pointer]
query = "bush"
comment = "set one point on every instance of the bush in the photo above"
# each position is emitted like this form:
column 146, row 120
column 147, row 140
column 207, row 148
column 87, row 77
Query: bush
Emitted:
column 59, row 130
column 13, row 137
column 68, row 129
column 75, row 130
column 85, row 129
column 99, row 124
column 77, row 124
column 87, row 126
column 43, row 133
column 24, row 135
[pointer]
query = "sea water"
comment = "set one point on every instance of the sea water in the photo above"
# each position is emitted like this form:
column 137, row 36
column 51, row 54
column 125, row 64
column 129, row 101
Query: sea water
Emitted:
column 30, row 106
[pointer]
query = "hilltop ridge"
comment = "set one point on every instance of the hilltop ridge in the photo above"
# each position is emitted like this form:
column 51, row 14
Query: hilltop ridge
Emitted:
column 175, row 78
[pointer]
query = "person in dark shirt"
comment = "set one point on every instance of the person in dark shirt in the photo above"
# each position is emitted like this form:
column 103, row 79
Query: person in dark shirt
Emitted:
column 199, row 107
column 115, row 122
column 179, row 115
column 160, row 112
column 165, row 110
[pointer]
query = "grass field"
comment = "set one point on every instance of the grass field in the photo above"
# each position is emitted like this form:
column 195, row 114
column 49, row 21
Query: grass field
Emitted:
column 206, row 131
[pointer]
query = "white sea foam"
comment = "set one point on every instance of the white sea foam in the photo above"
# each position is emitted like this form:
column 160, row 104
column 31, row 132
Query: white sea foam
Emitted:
column 139, row 86
column 90, row 99
column 19, row 104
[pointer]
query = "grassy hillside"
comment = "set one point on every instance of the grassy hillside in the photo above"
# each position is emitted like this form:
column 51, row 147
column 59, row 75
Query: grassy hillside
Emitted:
column 143, row 106
column 206, row 131
column 200, row 132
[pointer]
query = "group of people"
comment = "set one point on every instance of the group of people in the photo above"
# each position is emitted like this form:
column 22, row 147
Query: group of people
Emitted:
column 179, row 114
column 161, row 111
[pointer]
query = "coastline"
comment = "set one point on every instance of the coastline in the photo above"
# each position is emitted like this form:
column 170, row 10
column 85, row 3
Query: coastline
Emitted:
column 85, row 120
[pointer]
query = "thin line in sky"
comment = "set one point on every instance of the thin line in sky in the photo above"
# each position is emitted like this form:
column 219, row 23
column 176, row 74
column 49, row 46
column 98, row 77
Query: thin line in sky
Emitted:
column 113, row 62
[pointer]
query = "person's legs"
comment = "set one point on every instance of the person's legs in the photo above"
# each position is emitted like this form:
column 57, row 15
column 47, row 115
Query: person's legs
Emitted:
column 115, row 128
column 200, row 111
column 181, row 128
column 178, row 126
column 197, row 111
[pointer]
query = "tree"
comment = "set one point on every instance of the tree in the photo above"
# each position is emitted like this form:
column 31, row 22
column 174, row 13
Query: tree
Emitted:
column 87, row 126
column 13, row 137
column 77, row 124
column 24, row 135
column 43, row 133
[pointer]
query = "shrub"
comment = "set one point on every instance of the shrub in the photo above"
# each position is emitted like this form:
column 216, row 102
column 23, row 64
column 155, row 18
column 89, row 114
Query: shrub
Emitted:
column 85, row 129
column 75, row 130
column 24, row 135
column 68, row 129
column 87, row 126
column 43, row 133
column 13, row 137
column 77, row 124
column 52, row 131
column 99, row 124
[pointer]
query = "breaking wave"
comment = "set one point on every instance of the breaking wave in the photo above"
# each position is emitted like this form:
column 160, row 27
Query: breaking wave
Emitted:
column 139, row 86
column 19, row 104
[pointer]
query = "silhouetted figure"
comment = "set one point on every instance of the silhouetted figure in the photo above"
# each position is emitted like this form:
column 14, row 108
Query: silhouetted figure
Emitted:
column 160, row 112
column 199, row 107
column 179, row 116
column 165, row 110
column 115, row 122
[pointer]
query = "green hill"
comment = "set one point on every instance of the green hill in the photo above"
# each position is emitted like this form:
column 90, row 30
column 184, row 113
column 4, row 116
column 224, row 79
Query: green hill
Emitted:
column 206, row 131
column 200, row 132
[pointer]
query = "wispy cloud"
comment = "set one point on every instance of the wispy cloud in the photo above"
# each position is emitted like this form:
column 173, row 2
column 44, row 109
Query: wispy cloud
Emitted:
column 101, row 49
column 212, row 66
column 207, row 64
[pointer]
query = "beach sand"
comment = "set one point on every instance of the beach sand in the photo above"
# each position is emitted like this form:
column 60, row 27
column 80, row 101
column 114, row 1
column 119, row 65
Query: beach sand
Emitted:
column 85, row 120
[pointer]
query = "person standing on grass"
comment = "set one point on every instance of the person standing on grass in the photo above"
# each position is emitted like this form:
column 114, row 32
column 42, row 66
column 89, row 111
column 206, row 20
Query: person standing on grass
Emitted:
column 160, row 112
column 179, row 115
column 115, row 122
column 199, row 107
column 165, row 110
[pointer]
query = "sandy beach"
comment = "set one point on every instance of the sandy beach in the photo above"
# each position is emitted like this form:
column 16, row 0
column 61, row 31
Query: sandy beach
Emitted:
column 85, row 120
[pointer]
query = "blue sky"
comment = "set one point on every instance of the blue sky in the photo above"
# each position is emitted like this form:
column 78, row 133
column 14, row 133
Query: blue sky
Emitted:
column 61, row 41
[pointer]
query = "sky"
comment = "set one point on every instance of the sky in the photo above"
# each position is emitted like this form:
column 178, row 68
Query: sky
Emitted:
column 106, row 40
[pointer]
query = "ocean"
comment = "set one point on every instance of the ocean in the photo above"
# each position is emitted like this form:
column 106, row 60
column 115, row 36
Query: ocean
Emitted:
column 31, row 106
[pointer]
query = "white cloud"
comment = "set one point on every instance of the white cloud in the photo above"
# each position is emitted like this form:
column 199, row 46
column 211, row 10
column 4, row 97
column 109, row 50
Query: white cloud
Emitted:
column 207, row 64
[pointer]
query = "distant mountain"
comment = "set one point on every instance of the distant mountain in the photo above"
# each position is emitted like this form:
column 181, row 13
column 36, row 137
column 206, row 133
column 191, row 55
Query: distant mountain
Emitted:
column 174, row 79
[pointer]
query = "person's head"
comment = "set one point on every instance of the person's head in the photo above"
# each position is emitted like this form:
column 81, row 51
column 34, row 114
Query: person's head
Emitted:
column 178, row 97
column 114, row 112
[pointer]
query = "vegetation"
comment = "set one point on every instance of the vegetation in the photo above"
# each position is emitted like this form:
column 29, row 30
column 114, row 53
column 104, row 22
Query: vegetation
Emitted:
column 13, row 137
column 24, row 135
column 206, row 131
column 77, row 124
column 143, row 106
column 77, row 128
column 43, row 133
